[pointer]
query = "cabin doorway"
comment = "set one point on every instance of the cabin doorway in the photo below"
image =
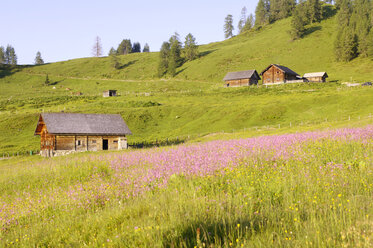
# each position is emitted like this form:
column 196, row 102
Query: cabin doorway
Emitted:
column 105, row 144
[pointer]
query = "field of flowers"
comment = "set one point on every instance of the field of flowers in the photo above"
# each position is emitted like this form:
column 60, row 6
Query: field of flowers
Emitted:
column 297, row 190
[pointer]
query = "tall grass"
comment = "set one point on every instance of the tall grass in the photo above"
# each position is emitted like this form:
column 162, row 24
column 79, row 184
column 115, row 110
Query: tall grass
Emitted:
column 307, row 189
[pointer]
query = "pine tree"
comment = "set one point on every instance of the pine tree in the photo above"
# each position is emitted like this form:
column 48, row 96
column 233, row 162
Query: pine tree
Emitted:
column 174, row 57
column 242, row 22
column 190, row 47
column 343, row 40
column 47, row 82
column 146, row 48
column 286, row 8
column 262, row 13
column 347, row 45
column 2, row 55
column 125, row 47
column 228, row 26
column 38, row 59
column 136, row 48
column 298, row 22
column 8, row 54
column 112, row 51
column 12, row 57
column 97, row 47
column 163, row 59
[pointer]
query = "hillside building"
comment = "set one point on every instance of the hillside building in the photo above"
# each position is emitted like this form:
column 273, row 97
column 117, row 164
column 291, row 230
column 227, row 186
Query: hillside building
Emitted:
column 109, row 93
column 316, row 77
column 278, row 74
column 63, row 133
column 241, row 78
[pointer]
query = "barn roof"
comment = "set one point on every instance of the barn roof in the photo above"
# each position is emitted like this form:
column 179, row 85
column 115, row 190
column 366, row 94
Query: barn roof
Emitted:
column 315, row 74
column 241, row 75
column 282, row 68
column 83, row 124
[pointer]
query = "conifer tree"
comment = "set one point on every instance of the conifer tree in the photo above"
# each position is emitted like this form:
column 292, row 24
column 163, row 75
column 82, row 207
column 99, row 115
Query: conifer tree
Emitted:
column 361, row 23
column 136, row 48
column 38, row 59
column 2, row 55
column 286, row 8
column 228, row 26
column 314, row 11
column 112, row 51
column 262, row 13
column 243, row 19
column 174, row 57
column 163, row 59
column 10, row 56
column 249, row 23
column 146, row 48
column 125, row 47
column 114, row 61
column 298, row 22
column 190, row 47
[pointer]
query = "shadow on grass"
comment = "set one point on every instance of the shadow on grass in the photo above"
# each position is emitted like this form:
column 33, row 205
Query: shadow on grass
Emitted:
column 157, row 143
column 205, row 53
column 328, row 11
column 8, row 70
column 211, row 234
column 310, row 30
column 127, row 64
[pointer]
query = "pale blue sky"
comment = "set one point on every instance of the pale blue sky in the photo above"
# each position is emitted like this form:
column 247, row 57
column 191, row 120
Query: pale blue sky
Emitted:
column 66, row 29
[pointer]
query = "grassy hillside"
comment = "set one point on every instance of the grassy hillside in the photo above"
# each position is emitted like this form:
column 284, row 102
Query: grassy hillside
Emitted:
column 193, row 103
column 251, row 50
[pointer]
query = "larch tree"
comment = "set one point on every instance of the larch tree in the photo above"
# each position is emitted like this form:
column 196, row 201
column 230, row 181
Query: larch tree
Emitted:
column 243, row 19
column 228, row 26
column 97, row 47
column 38, row 59
column 190, row 47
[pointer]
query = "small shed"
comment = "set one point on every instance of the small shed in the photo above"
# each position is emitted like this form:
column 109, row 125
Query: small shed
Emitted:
column 316, row 76
column 278, row 74
column 110, row 93
column 63, row 133
column 241, row 78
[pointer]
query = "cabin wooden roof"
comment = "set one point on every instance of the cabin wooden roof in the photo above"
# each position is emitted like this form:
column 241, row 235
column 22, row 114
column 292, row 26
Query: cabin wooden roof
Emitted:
column 282, row 68
column 315, row 74
column 83, row 124
column 241, row 75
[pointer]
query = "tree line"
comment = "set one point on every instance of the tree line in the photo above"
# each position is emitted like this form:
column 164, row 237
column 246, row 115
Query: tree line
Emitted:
column 354, row 18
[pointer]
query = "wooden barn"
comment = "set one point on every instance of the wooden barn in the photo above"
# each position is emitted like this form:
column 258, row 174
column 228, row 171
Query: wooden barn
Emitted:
column 63, row 133
column 316, row 77
column 241, row 78
column 109, row 93
column 278, row 74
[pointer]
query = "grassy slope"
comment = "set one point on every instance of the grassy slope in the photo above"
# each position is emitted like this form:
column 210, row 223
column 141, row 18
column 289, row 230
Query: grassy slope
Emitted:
column 194, row 102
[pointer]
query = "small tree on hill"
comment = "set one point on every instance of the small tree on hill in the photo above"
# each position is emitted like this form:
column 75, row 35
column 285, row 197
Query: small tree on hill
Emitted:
column 298, row 22
column 228, row 26
column 10, row 57
column 174, row 57
column 136, row 48
column 97, row 47
column 38, row 59
column 146, row 48
column 249, row 23
column 2, row 55
column 242, row 20
column 190, row 47
column 125, row 47
column 112, row 51
column 163, row 59
column 47, row 82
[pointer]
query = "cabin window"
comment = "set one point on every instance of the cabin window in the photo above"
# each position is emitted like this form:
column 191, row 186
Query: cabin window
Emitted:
column 278, row 79
column 115, row 141
column 79, row 142
column 268, row 79
column 94, row 141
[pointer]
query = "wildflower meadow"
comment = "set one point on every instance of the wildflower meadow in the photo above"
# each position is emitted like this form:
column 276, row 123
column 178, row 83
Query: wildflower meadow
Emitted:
column 310, row 189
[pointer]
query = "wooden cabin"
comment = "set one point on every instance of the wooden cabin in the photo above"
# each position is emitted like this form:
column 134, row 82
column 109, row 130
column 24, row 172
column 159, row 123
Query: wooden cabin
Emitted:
column 63, row 133
column 241, row 78
column 316, row 77
column 110, row 93
column 278, row 74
